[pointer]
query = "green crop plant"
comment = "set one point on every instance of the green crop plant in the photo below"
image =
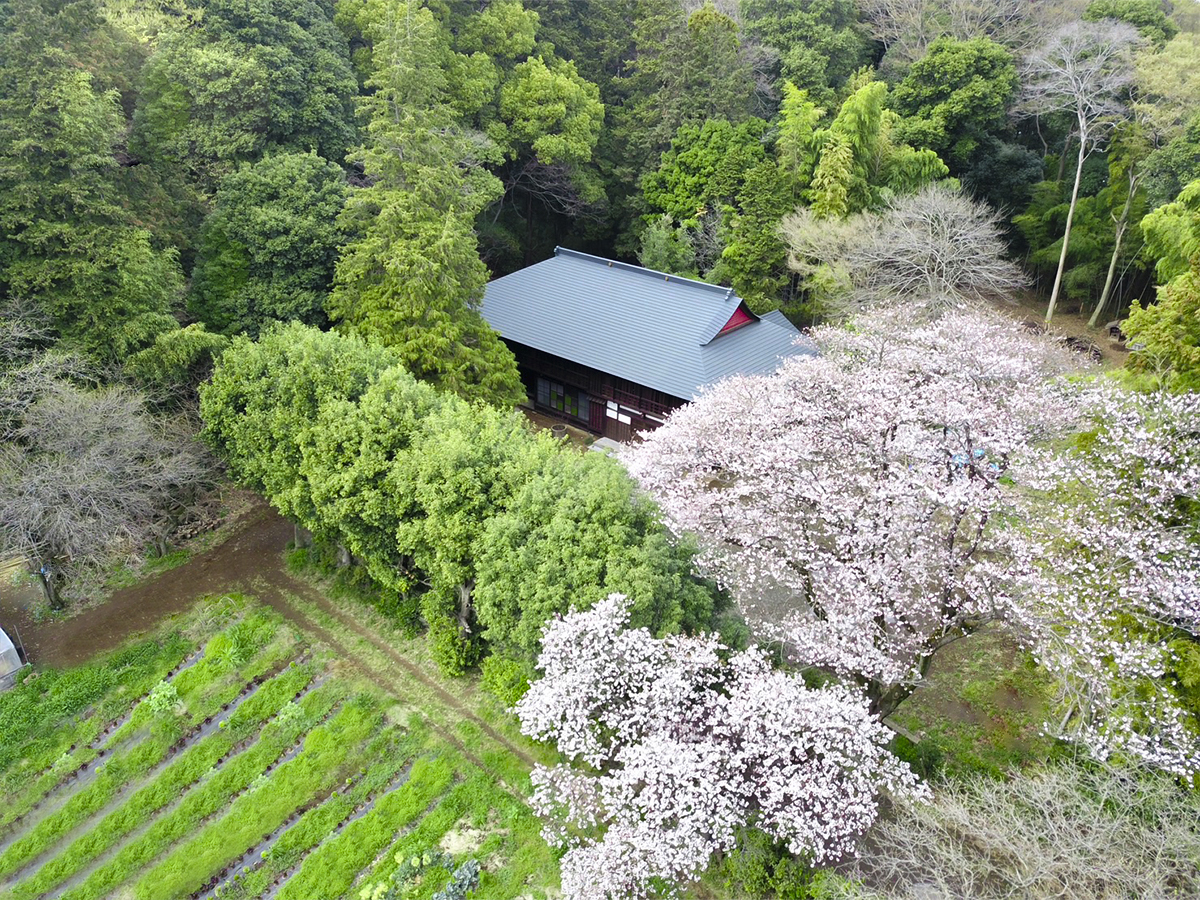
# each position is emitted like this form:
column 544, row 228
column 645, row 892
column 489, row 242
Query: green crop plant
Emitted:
column 211, row 796
column 513, row 833
column 330, row 870
column 328, row 752
column 389, row 752
column 55, row 710
column 183, row 772
column 209, row 688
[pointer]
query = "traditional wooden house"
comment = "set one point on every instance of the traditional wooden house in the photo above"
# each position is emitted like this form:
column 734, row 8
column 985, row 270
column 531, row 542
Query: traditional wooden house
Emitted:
column 613, row 347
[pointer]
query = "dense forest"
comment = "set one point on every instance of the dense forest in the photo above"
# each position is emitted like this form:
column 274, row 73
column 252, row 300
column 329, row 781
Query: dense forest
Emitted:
column 174, row 174
column 246, row 241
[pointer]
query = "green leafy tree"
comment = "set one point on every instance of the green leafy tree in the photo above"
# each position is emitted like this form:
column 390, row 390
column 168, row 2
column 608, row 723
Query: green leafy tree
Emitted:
column 1147, row 16
column 1165, row 339
column 821, row 44
column 265, row 396
column 955, row 98
column 348, row 460
column 177, row 362
column 754, row 260
column 1170, row 168
column 408, row 482
column 251, row 76
column 860, row 164
column 703, row 73
column 552, row 110
column 666, row 247
column 1173, row 234
column 549, row 125
column 684, row 70
column 1167, row 102
column 794, row 145
column 705, row 167
column 413, row 280
column 574, row 533
column 268, row 248
column 541, row 116
column 203, row 108
column 463, row 467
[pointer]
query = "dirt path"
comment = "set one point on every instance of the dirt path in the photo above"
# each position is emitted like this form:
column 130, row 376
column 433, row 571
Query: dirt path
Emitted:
column 256, row 544
column 250, row 560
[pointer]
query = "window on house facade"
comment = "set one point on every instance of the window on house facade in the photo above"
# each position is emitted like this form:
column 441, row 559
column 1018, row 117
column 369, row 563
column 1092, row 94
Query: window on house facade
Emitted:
column 568, row 401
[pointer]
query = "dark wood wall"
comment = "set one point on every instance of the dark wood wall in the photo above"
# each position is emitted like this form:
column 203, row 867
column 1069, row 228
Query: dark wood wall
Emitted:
column 635, row 402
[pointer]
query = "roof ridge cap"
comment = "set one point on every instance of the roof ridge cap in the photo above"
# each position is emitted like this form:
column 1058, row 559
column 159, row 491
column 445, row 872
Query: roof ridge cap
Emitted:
column 642, row 270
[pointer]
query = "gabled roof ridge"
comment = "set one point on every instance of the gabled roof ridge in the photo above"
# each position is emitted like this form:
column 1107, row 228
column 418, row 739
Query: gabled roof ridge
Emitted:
column 726, row 292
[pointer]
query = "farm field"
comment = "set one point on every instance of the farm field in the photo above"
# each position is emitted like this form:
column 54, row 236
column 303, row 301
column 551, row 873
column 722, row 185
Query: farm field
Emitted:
column 233, row 755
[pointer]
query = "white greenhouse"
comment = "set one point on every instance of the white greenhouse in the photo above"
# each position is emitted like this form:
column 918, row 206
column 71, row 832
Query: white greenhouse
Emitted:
column 10, row 661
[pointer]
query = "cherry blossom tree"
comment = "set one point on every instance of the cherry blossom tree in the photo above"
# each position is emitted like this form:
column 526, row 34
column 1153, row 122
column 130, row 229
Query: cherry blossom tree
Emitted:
column 869, row 506
column 848, row 500
column 1109, row 551
column 676, row 745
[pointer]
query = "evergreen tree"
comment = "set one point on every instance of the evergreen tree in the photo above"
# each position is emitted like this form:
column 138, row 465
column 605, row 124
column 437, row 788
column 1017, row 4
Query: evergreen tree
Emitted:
column 67, row 245
column 413, row 279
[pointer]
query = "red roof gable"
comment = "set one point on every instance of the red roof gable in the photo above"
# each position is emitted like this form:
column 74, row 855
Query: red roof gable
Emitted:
column 741, row 316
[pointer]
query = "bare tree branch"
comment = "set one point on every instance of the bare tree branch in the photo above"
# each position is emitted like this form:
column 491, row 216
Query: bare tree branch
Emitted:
column 1065, row 832
column 1084, row 69
column 932, row 251
column 86, row 473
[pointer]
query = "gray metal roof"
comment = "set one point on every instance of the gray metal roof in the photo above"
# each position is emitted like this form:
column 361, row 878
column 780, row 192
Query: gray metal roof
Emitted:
column 648, row 327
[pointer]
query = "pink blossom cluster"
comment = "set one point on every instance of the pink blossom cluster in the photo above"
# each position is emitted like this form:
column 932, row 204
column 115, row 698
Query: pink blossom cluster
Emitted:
column 677, row 744
column 846, row 500
column 1109, row 556
column 867, row 506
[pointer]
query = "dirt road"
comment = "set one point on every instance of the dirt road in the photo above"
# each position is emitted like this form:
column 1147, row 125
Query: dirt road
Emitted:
column 254, row 549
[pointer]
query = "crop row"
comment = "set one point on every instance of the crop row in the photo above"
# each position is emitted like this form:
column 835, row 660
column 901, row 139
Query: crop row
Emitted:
column 328, row 753
column 198, row 686
column 184, row 771
column 85, row 751
column 210, row 689
column 514, row 833
column 189, row 687
column 388, row 755
column 207, row 797
column 331, row 869
column 35, row 735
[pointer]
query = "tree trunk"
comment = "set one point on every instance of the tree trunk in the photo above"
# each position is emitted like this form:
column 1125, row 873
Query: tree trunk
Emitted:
column 1062, row 257
column 884, row 702
column 343, row 557
column 301, row 536
column 1122, row 224
column 465, row 592
column 45, row 577
column 1062, row 157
